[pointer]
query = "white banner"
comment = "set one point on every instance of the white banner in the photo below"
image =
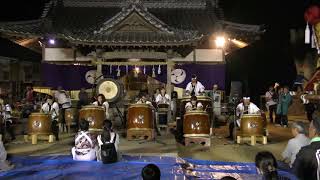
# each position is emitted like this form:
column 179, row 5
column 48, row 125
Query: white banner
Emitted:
column 203, row 55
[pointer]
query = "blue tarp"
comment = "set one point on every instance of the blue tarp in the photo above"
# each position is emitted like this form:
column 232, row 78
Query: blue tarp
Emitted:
column 63, row 167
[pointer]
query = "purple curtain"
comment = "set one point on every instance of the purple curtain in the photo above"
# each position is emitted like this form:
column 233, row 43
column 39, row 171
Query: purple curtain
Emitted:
column 72, row 77
column 207, row 74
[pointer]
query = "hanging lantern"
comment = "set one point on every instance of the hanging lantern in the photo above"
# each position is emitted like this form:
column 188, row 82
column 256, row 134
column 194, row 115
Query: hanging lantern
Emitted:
column 136, row 71
column 159, row 69
column 118, row 71
column 312, row 17
column 110, row 69
column 144, row 69
column 153, row 72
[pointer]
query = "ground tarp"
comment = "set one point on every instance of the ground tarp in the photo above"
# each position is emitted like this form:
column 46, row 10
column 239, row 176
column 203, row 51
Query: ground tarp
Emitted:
column 63, row 167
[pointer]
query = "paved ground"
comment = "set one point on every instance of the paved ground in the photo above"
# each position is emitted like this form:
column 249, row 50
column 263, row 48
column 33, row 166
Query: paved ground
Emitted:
column 220, row 149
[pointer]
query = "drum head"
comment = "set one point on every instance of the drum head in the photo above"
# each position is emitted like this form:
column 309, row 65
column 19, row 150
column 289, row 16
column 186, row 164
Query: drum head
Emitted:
column 110, row 88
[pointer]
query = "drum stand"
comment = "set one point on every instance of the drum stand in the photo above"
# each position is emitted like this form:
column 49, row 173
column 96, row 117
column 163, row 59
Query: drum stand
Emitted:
column 154, row 138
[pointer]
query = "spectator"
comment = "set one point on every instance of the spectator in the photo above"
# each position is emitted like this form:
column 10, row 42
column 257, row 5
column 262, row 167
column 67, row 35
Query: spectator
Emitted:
column 228, row 178
column 285, row 101
column 271, row 102
column 306, row 165
column 5, row 165
column 151, row 172
column 85, row 144
column 108, row 144
column 295, row 144
column 267, row 165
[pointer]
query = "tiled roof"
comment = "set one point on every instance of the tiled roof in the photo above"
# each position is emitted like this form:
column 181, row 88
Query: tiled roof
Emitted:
column 178, row 22
column 175, row 4
column 32, row 28
column 126, row 11
column 134, row 39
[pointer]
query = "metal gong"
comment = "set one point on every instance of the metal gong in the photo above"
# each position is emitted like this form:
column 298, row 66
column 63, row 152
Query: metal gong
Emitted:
column 110, row 88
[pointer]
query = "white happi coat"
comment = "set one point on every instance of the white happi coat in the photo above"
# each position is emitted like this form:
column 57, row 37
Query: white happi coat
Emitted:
column 189, row 106
column 54, row 111
column 199, row 88
column 252, row 109
column 6, row 112
column 63, row 99
column 105, row 105
column 163, row 99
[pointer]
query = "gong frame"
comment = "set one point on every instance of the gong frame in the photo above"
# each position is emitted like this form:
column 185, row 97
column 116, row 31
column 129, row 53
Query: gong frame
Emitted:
column 117, row 83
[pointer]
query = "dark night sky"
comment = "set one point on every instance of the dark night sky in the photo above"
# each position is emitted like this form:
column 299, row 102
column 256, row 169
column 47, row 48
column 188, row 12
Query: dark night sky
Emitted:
column 254, row 63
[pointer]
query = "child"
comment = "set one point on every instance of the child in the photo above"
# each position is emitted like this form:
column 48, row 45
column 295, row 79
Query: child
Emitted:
column 151, row 172
column 108, row 144
column 85, row 144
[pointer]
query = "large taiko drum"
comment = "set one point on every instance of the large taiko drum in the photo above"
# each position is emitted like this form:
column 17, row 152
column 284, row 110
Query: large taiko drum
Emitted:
column 140, row 116
column 252, row 125
column 196, row 124
column 71, row 116
column 95, row 115
column 39, row 123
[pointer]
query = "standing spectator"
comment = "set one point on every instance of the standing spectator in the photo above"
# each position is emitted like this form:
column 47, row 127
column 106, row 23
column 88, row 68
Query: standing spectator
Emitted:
column 308, row 106
column 29, row 95
column 295, row 144
column 6, row 113
column 285, row 101
column 307, row 163
column 271, row 102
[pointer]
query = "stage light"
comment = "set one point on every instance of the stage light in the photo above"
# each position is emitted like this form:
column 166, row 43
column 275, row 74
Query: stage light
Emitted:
column 52, row 41
column 220, row 42
column 239, row 43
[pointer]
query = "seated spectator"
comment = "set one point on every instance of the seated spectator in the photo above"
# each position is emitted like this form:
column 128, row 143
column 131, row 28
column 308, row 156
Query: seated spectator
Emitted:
column 5, row 165
column 267, row 165
column 151, row 172
column 306, row 165
column 85, row 144
column 294, row 145
column 108, row 144
column 228, row 178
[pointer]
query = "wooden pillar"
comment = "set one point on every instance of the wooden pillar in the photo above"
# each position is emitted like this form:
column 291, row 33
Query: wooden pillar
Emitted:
column 169, row 89
column 99, row 68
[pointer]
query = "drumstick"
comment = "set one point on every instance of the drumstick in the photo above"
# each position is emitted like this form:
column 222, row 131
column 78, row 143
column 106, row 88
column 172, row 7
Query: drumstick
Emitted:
column 206, row 108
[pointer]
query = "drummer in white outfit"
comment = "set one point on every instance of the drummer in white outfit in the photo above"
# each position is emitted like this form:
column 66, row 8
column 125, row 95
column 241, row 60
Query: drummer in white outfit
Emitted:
column 193, row 104
column 246, row 107
column 194, row 88
column 51, row 107
column 101, row 101
column 64, row 102
column 163, row 98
